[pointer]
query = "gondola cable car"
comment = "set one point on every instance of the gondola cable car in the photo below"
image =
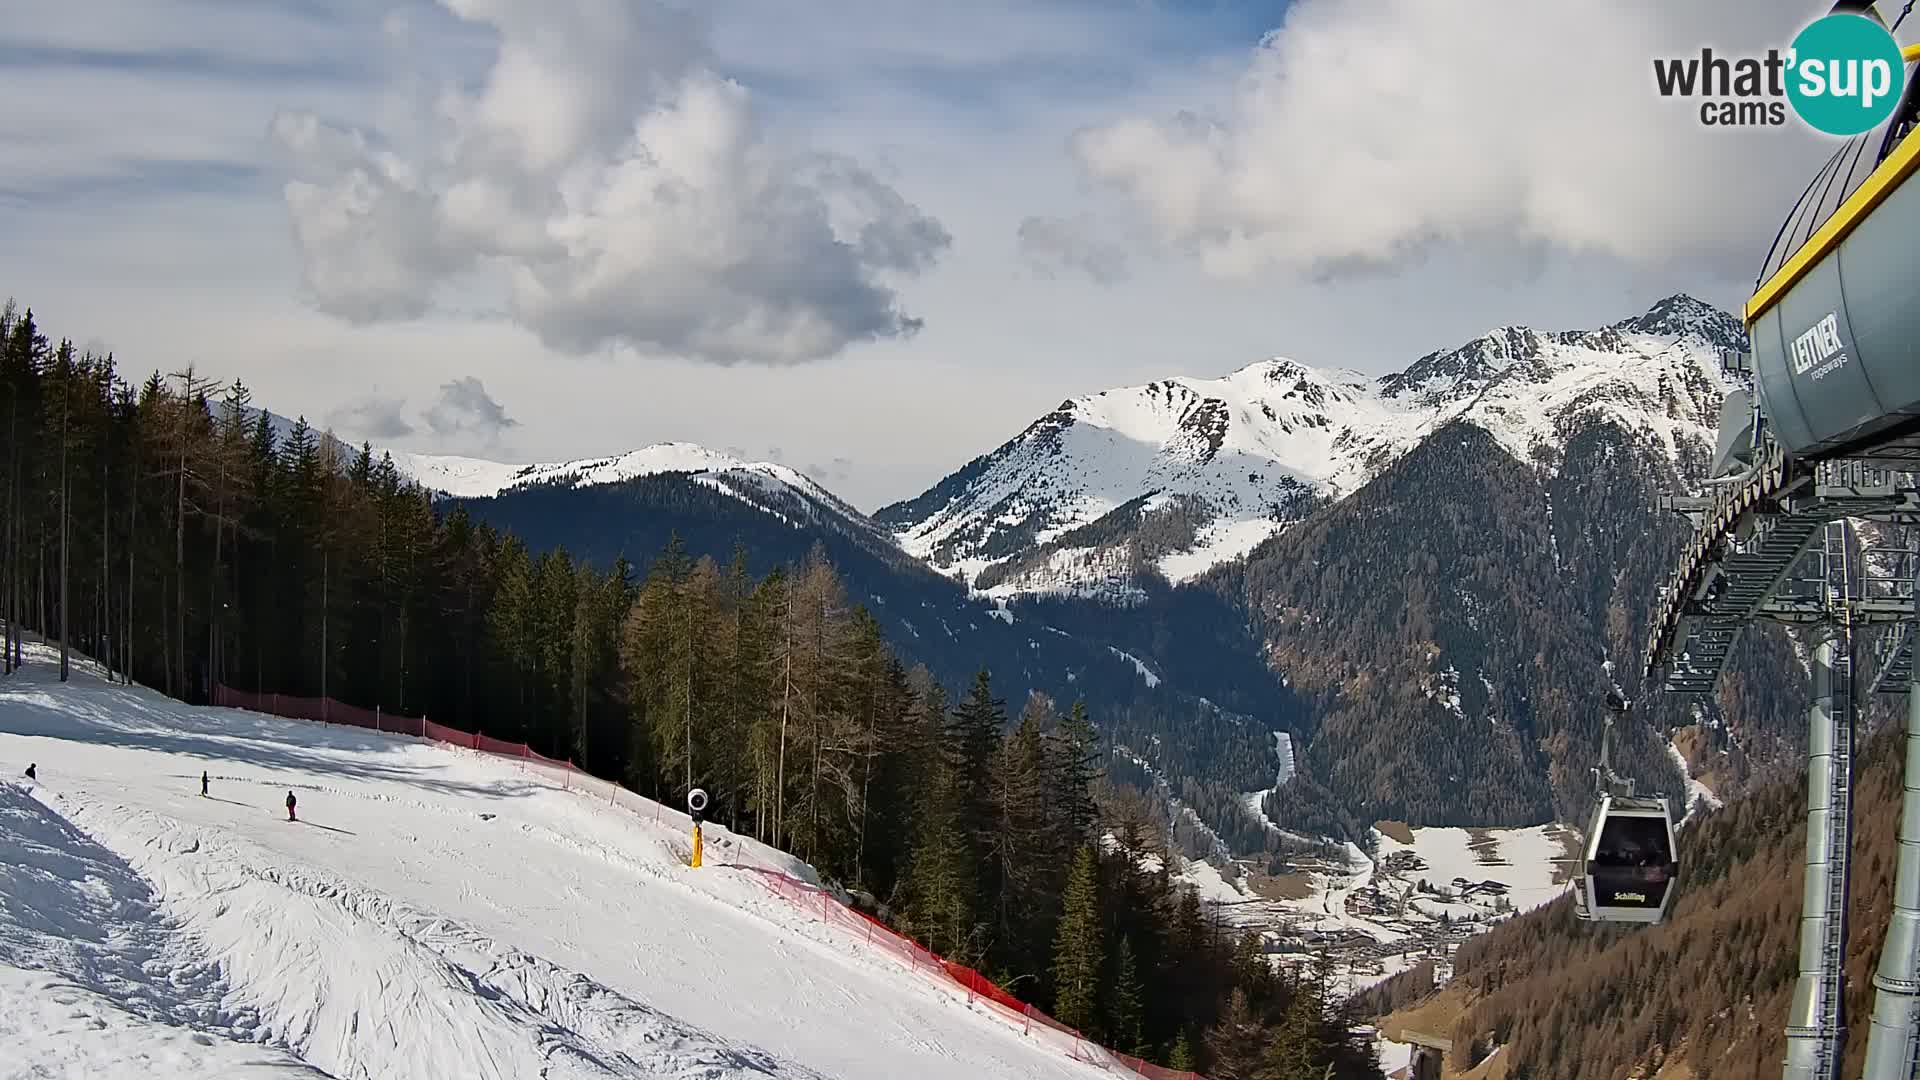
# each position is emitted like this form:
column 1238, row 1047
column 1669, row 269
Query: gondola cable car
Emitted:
column 1631, row 857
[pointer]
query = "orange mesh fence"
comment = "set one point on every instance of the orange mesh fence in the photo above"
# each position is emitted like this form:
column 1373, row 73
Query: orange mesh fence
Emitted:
column 809, row 898
column 979, row 989
column 501, row 747
column 352, row 715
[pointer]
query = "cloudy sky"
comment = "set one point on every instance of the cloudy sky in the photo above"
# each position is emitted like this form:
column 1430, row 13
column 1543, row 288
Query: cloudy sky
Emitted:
column 870, row 238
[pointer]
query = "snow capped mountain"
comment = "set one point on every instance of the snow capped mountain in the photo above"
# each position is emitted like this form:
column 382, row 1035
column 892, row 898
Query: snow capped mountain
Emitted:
column 775, row 489
column 1184, row 473
column 470, row 478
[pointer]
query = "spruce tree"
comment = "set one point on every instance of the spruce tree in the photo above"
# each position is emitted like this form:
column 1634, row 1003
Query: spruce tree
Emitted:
column 1021, row 853
column 1075, row 765
column 1181, row 1056
column 972, row 738
column 1077, row 952
column 1123, row 1009
column 1238, row 1043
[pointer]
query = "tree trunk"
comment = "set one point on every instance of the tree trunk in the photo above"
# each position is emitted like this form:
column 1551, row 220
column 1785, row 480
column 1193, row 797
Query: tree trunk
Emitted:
column 213, row 582
column 133, row 526
column 786, row 711
column 66, row 622
column 180, row 561
column 10, row 587
column 866, row 779
column 106, row 575
column 326, row 570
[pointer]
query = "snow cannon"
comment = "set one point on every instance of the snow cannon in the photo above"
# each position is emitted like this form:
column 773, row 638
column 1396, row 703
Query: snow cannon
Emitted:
column 1832, row 328
column 696, row 808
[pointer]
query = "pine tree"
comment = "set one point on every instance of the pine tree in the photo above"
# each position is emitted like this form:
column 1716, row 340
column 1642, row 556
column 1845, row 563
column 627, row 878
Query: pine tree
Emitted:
column 1074, row 759
column 1077, row 951
column 1238, row 1042
column 1181, row 1057
column 972, row 737
column 1123, row 1010
column 1020, row 851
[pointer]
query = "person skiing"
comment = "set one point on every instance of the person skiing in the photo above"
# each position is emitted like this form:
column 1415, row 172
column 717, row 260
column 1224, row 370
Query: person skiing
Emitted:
column 203, row 783
column 30, row 775
column 290, row 816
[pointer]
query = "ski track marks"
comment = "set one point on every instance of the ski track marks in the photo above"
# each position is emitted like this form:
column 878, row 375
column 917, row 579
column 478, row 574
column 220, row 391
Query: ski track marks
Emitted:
column 435, row 913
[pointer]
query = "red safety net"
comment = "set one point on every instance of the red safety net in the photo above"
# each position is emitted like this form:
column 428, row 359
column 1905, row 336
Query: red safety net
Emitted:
column 979, row 989
column 819, row 902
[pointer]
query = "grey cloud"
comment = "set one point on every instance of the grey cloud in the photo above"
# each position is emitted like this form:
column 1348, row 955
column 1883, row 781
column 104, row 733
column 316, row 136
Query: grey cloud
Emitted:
column 465, row 409
column 834, row 471
column 372, row 417
column 1050, row 245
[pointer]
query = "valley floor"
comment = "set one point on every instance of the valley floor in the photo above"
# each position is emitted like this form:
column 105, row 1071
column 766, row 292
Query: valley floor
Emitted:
column 1425, row 891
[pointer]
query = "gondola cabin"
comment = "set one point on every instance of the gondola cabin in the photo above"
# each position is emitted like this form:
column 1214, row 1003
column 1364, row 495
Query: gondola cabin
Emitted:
column 1631, row 861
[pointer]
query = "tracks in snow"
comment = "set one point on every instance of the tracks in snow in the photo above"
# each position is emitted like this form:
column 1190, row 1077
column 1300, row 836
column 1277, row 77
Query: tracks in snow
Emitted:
column 200, row 930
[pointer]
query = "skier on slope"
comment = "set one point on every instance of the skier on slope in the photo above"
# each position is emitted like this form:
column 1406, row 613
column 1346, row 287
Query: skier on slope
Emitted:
column 203, row 783
column 290, row 816
column 30, row 775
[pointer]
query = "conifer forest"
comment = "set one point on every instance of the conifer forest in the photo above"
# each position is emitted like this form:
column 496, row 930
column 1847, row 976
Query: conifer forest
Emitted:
column 165, row 527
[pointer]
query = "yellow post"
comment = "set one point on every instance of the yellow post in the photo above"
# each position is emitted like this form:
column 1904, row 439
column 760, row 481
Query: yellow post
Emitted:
column 696, row 844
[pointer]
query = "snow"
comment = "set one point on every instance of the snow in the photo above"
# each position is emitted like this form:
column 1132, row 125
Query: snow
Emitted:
column 1283, row 748
column 1446, row 690
column 1221, row 541
column 1254, row 448
column 1523, row 860
column 1138, row 665
column 1255, row 801
column 434, row 913
column 63, row 1030
column 1698, row 794
column 1393, row 1055
column 766, row 486
column 1208, row 883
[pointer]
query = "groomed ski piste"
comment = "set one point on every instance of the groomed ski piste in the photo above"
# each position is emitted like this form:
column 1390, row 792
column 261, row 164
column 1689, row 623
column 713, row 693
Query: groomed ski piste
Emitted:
column 434, row 913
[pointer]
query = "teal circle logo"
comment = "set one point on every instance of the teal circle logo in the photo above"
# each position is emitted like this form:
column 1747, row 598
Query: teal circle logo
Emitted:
column 1846, row 74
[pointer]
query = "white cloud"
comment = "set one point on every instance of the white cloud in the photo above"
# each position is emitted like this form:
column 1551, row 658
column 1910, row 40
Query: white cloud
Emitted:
column 1362, row 134
column 146, row 208
column 622, row 191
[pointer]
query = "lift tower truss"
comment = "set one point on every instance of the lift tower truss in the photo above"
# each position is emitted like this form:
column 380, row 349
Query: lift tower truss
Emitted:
column 1775, row 544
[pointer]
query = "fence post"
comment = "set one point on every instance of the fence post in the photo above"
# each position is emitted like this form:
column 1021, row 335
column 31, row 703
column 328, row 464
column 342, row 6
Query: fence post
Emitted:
column 376, row 719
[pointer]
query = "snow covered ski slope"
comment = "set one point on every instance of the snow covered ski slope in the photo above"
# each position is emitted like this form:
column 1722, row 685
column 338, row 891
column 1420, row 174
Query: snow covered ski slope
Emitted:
column 434, row 913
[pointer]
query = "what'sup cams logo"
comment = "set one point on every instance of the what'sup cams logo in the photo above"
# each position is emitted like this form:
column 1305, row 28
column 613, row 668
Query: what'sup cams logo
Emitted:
column 1842, row 75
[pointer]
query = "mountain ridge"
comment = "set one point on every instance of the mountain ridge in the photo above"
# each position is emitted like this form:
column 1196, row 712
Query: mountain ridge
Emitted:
column 1255, row 450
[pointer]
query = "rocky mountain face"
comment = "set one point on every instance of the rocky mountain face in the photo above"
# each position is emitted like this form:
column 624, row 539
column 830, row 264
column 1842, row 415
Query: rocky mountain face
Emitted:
column 1416, row 578
column 1436, row 563
column 1177, row 476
